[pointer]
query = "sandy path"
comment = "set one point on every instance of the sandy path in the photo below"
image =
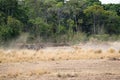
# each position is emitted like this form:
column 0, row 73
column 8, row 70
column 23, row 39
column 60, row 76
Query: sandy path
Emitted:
column 62, row 70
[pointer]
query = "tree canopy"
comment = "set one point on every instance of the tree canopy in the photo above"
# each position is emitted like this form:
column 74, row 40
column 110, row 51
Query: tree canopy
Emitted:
column 53, row 18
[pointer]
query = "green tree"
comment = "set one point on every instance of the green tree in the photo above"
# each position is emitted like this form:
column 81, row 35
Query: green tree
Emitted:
column 41, row 28
column 112, row 23
column 11, row 30
column 12, row 8
column 96, row 15
column 113, row 7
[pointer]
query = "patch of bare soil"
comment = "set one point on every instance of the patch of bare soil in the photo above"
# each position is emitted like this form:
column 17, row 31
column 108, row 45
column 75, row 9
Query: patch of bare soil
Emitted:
column 62, row 70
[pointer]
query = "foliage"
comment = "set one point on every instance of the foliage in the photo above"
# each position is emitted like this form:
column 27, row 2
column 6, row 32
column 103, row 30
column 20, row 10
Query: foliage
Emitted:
column 57, row 20
column 11, row 30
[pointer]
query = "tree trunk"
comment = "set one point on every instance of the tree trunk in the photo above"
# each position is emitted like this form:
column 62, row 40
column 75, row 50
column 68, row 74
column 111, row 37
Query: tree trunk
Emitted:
column 36, row 8
column 94, row 24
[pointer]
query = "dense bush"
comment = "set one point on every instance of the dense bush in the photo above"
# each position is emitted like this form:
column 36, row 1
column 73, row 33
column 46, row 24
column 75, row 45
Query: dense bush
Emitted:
column 54, row 20
column 11, row 30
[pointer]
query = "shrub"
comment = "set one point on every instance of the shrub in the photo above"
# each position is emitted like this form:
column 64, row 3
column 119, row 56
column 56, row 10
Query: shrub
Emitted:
column 11, row 30
column 111, row 50
column 98, row 51
column 119, row 51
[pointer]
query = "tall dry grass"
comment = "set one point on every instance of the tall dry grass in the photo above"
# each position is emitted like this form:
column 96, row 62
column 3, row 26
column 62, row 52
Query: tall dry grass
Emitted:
column 74, row 53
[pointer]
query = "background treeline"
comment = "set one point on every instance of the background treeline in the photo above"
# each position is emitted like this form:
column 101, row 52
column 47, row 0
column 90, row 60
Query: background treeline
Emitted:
column 56, row 21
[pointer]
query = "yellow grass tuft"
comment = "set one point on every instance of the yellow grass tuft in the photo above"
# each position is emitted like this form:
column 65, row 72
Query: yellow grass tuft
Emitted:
column 119, row 51
column 67, row 75
column 111, row 50
column 13, row 73
column 98, row 51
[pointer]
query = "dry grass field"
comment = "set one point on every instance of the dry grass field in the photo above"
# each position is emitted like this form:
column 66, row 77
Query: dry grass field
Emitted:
column 79, row 62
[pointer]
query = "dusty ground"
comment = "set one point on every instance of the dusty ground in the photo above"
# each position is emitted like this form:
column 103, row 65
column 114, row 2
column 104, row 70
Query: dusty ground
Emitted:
column 80, row 62
column 62, row 70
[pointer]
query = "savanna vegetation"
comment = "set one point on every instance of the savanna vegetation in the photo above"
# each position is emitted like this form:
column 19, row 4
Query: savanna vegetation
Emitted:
column 58, row 21
column 28, row 29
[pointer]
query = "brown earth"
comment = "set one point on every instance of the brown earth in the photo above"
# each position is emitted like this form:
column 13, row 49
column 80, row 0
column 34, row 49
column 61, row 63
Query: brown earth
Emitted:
column 62, row 70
